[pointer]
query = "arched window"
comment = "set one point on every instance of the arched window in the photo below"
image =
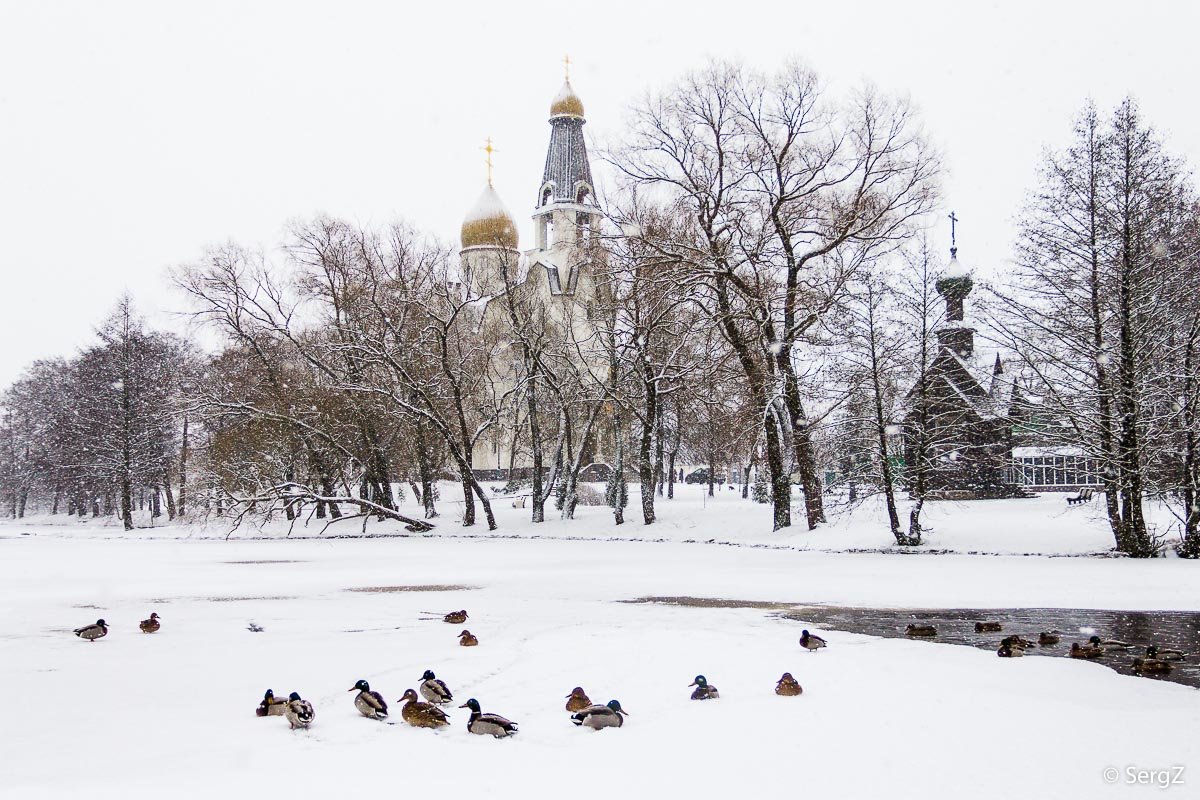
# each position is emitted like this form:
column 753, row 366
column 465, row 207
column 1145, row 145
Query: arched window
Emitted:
column 582, row 194
column 547, row 193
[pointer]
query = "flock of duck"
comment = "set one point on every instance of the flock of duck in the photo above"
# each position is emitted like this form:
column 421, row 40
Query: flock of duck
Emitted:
column 1156, row 661
column 428, row 713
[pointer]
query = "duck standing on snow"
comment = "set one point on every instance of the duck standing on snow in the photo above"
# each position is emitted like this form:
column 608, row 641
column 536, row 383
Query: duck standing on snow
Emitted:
column 1046, row 638
column 467, row 639
column 1007, row 650
column 299, row 713
column 577, row 700
column 150, row 625
column 456, row 617
column 811, row 641
column 434, row 690
column 420, row 714
column 1090, row 651
column 369, row 703
column 703, row 690
column 93, row 632
column 1154, row 652
column 788, row 686
column 488, row 724
column 271, row 706
column 597, row 717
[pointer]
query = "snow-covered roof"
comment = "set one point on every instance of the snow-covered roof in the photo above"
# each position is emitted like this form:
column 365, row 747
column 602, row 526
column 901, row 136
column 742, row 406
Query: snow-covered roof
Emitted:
column 488, row 206
column 1040, row 452
column 955, row 269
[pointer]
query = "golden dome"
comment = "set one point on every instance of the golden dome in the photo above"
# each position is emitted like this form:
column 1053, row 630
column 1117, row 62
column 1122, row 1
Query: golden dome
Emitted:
column 566, row 103
column 489, row 224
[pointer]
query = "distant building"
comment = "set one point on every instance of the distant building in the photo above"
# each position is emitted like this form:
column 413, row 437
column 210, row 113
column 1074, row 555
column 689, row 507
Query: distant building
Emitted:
column 554, row 280
column 986, row 437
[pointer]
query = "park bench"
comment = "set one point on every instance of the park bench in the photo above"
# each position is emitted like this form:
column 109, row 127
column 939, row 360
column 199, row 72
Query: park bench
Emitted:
column 519, row 502
column 1084, row 496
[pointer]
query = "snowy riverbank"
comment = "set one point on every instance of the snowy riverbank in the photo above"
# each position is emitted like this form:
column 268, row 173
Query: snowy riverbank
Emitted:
column 171, row 714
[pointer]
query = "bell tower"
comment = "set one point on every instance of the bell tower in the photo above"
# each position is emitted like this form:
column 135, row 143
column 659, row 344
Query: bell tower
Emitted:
column 566, row 215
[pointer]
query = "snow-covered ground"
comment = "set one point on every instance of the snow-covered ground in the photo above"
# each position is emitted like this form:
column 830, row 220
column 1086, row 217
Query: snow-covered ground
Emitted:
column 171, row 714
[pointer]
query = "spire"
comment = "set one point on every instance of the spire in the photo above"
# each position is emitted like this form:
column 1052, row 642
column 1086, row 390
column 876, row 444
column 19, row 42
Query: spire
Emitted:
column 998, row 368
column 567, row 177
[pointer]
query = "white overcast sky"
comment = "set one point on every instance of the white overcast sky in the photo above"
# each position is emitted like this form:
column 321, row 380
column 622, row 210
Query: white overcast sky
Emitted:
column 132, row 135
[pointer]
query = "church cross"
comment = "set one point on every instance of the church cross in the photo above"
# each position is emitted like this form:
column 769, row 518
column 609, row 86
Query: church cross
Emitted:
column 953, row 241
column 567, row 68
column 489, row 150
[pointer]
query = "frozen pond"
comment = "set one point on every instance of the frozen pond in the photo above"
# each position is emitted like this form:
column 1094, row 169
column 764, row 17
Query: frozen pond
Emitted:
column 1175, row 630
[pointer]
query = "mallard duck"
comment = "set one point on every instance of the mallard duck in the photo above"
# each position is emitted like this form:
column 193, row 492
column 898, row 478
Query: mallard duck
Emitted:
column 1090, row 651
column 420, row 714
column 369, row 703
column 811, row 642
column 703, row 690
column 788, row 686
column 299, row 713
column 920, row 629
column 93, row 632
column 577, row 700
column 456, row 617
column 1153, row 651
column 987, row 627
column 1017, row 642
column 271, row 706
column 488, row 724
column 597, row 717
column 467, row 639
column 1154, row 666
column 1046, row 638
column 1008, row 651
column 1110, row 644
column 433, row 689
column 150, row 625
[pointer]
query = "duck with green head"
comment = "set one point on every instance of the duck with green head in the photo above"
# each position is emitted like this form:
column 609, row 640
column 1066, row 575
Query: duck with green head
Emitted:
column 703, row 690
column 369, row 703
column 299, row 713
column 93, row 632
column 597, row 717
column 810, row 641
column 434, row 689
column 1164, row 654
column 488, row 724
column 271, row 706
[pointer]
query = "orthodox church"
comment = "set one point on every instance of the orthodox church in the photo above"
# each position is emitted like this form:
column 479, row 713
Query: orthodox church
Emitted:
column 986, row 437
column 554, row 281
column 971, row 406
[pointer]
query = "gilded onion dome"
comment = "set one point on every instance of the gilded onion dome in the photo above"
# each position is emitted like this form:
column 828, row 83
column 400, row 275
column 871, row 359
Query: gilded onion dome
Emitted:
column 566, row 103
column 489, row 224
